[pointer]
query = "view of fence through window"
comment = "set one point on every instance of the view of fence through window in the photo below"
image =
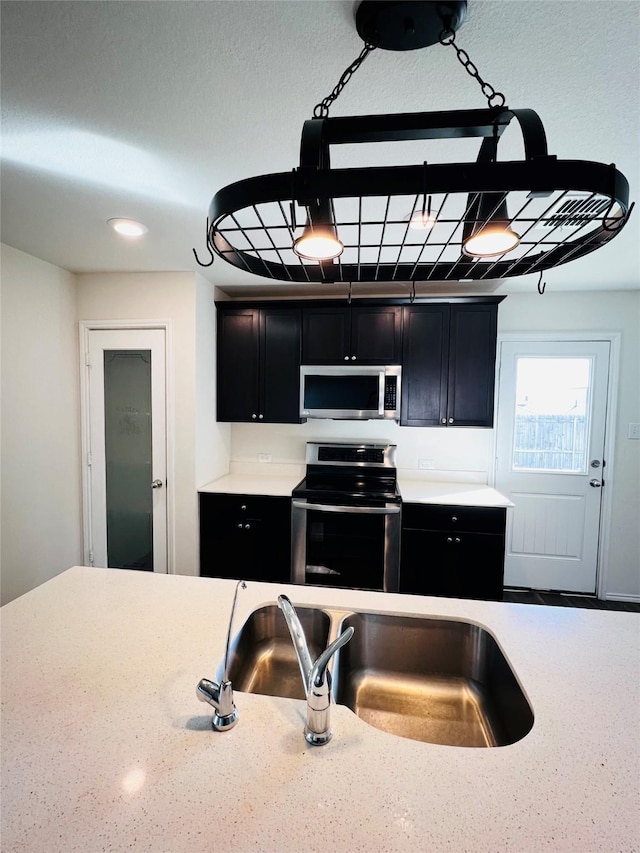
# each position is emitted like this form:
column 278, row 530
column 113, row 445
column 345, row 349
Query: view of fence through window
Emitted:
column 551, row 427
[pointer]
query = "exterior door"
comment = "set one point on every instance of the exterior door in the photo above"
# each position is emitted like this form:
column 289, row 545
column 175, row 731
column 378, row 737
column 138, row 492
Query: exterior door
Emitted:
column 127, row 459
column 550, row 460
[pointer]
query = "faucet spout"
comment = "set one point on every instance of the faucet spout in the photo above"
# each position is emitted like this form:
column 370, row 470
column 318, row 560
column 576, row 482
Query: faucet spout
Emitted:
column 315, row 676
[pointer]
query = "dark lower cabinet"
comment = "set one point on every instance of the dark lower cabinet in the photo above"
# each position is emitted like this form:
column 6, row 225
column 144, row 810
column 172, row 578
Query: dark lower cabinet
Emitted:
column 453, row 551
column 246, row 537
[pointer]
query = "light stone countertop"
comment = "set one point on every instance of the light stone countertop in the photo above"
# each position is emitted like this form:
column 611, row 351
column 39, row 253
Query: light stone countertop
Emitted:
column 105, row 746
column 413, row 489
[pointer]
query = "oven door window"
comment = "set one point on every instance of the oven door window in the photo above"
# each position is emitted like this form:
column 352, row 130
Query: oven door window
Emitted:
column 345, row 549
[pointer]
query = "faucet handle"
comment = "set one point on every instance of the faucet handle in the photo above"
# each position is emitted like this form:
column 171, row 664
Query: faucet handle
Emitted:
column 220, row 696
column 319, row 669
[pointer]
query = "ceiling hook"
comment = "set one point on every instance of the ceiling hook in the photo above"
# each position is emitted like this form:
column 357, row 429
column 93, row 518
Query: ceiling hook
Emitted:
column 541, row 285
column 349, row 296
column 195, row 254
column 412, row 298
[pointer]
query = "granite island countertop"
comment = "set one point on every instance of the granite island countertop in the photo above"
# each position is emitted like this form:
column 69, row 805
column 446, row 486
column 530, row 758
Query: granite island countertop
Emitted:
column 105, row 746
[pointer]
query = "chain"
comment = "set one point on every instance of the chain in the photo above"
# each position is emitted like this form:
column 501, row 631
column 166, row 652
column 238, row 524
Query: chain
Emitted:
column 321, row 110
column 494, row 99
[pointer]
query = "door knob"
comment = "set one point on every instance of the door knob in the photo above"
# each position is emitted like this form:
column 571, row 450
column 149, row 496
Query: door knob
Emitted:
column 157, row 484
column 595, row 483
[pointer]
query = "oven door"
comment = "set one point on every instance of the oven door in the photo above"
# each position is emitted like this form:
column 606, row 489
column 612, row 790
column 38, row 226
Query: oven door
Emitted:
column 357, row 547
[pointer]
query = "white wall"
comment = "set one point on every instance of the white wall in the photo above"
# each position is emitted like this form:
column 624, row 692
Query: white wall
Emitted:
column 173, row 297
column 212, row 440
column 470, row 451
column 41, row 477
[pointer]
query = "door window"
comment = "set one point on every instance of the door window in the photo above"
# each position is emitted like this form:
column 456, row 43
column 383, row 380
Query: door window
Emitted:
column 552, row 401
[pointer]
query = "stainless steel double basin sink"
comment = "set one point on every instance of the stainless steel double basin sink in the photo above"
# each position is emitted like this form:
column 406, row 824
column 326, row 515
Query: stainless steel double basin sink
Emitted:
column 433, row 680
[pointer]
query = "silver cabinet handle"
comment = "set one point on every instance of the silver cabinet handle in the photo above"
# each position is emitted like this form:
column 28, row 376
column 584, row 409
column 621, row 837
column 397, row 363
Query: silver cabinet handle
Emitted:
column 450, row 420
column 443, row 421
column 595, row 483
column 157, row 484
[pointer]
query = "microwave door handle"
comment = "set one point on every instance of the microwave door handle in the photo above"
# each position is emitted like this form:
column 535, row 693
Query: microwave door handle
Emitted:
column 376, row 510
column 381, row 394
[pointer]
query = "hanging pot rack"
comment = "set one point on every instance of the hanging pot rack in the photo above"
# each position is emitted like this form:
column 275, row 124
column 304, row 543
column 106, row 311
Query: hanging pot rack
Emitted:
column 560, row 210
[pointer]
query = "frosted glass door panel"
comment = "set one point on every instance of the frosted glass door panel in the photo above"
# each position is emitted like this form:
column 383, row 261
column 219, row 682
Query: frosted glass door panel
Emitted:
column 128, row 446
column 552, row 403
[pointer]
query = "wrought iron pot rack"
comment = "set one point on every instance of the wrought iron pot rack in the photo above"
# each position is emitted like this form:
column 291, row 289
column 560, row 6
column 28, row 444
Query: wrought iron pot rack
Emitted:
column 560, row 210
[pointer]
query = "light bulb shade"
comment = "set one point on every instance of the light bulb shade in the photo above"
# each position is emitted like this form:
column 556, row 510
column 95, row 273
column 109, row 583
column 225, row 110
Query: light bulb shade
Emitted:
column 421, row 221
column 318, row 243
column 488, row 232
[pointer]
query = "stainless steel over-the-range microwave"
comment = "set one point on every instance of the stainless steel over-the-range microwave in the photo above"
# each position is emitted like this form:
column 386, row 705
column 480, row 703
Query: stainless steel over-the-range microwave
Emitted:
column 350, row 392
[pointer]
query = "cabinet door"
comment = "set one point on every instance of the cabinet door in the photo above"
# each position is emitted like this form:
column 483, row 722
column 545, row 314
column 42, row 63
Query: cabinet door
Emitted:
column 238, row 387
column 426, row 566
column 478, row 561
column 376, row 334
column 362, row 334
column 472, row 357
column 424, row 365
column 280, row 334
column 245, row 537
column 325, row 335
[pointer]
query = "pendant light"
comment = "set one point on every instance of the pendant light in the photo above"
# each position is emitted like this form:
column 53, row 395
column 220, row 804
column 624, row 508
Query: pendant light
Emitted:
column 319, row 240
column 493, row 219
column 489, row 234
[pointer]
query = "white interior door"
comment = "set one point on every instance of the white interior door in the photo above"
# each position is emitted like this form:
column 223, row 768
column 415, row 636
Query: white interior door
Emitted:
column 127, row 458
column 550, row 460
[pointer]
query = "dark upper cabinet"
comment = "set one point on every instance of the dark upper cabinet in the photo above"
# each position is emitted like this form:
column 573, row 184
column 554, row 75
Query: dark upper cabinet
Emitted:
column 361, row 335
column 448, row 364
column 258, row 372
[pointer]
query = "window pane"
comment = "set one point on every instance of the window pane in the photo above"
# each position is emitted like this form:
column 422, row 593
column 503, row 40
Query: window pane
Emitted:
column 127, row 421
column 552, row 405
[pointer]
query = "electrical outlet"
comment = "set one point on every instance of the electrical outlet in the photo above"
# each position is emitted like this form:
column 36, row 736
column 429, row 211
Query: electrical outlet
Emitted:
column 425, row 464
column 265, row 457
column 634, row 431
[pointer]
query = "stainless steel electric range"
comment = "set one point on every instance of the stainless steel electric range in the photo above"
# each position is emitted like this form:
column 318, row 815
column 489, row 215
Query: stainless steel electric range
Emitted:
column 345, row 520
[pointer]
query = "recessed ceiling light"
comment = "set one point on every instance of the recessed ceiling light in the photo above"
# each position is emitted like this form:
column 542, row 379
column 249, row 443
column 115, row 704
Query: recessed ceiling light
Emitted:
column 128, row 227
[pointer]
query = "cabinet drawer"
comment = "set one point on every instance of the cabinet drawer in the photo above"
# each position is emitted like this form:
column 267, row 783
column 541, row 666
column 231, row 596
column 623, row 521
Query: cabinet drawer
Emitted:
column 450, row 517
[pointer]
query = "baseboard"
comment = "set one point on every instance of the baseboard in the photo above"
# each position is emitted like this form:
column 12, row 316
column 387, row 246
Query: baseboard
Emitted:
column 631, row 599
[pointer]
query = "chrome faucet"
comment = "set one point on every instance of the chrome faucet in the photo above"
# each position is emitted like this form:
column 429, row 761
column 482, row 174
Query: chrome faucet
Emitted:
column 315, row 676
column 221, row 695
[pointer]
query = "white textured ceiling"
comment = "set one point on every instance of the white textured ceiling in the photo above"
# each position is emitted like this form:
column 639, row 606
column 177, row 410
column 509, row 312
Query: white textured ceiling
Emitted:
column 145, row 109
